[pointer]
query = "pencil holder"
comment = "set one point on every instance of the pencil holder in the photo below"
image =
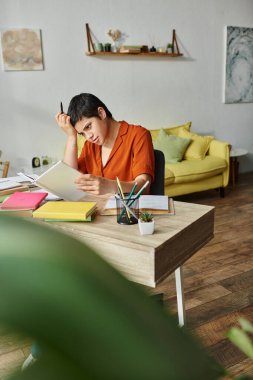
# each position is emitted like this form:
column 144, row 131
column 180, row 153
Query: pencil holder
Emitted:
column 127, row 209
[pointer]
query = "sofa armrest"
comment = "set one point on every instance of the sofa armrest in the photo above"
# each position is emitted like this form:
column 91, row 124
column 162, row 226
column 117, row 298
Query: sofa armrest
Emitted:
column 221, row 149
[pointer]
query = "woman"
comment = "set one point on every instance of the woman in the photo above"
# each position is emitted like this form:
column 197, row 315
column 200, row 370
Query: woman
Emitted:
column 112, row 148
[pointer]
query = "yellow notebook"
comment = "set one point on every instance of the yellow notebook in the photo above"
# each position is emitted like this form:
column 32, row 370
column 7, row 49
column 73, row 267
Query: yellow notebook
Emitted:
column 62, row 210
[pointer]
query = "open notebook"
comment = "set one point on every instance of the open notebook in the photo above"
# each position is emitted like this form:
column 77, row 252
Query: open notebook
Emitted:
column 156, row 204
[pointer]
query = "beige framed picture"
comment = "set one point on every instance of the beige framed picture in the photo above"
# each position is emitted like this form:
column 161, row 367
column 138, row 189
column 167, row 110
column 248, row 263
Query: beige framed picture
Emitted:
column 21, row 49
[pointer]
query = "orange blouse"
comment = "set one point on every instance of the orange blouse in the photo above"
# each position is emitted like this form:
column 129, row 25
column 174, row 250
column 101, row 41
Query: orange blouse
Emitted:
column 132, row 155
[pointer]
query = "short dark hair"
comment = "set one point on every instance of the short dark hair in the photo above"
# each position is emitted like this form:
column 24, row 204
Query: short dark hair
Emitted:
column 85, row 105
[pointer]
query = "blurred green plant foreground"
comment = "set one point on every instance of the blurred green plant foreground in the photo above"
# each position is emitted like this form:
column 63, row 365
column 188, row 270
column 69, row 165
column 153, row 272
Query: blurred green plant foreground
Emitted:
column 91, row 322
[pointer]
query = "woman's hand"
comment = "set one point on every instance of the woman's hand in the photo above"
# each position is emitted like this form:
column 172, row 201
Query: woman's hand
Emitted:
column 100, row 186
column 95, row 185
column 63, row 120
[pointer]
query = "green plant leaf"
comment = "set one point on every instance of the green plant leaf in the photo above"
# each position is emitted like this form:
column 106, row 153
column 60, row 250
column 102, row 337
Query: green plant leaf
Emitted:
column 90, row 321
column 241, row 340
column 146, row 217
column 246, row 325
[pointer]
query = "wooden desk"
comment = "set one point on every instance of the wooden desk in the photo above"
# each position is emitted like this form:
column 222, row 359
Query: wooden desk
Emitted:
column 149, row 259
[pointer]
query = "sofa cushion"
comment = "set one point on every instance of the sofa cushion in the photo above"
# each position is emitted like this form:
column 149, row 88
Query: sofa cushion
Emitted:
column 173, row 147
column 171, row 131
column 198, row 147
column 190, row 171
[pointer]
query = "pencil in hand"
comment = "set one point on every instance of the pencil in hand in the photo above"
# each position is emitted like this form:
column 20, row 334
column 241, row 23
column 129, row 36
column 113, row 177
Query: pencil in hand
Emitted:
column 62, row 108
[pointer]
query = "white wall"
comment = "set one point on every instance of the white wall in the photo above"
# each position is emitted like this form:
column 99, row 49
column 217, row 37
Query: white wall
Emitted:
column 151, row 92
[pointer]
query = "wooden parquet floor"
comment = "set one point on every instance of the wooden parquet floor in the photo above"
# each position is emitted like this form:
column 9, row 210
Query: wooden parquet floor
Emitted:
column 218, row 279
column 218, row 282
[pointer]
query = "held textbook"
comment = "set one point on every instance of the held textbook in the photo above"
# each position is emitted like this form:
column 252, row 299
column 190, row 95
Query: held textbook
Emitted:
column 59, row 180
column 66, row 211
column 156, row 204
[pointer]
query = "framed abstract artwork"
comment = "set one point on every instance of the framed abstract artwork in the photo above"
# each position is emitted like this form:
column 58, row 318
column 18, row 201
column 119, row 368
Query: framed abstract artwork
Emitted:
column 21, row 49
column 239, row 65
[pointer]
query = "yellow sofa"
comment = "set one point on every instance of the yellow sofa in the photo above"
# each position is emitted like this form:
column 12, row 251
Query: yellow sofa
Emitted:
column 194, row 175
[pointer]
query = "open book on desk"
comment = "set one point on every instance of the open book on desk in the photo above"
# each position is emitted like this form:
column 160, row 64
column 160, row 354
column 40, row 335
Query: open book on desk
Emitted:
column 6, row 183
column 9, row 186
column 59, row 180
column 13, row 189
column 155, row 204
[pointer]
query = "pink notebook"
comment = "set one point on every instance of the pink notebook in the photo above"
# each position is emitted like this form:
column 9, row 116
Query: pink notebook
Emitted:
column 21, row 200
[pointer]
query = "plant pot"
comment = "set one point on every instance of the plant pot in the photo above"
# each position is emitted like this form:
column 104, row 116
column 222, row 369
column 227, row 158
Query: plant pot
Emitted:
column 146, row 228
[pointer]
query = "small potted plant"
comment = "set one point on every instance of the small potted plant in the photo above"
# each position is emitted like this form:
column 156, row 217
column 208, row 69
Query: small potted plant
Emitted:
column 146, row 223
column 170, row 48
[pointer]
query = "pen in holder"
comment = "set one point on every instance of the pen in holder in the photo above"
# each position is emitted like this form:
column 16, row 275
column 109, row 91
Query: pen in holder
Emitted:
column 127, row 214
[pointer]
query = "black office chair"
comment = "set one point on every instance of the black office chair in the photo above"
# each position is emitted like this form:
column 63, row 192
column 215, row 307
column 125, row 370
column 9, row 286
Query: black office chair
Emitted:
column 157, row 187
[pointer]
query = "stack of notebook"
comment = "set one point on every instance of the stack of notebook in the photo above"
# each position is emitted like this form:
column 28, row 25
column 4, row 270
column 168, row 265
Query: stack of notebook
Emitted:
column 66, row 211
column 22, row 203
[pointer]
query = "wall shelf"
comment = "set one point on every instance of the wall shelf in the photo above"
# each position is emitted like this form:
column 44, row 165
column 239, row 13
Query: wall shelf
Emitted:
column 93, row 53
column 118, row 54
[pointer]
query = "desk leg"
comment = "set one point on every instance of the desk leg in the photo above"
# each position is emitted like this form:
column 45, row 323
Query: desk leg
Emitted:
column 233, row 163
column 180, row 296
